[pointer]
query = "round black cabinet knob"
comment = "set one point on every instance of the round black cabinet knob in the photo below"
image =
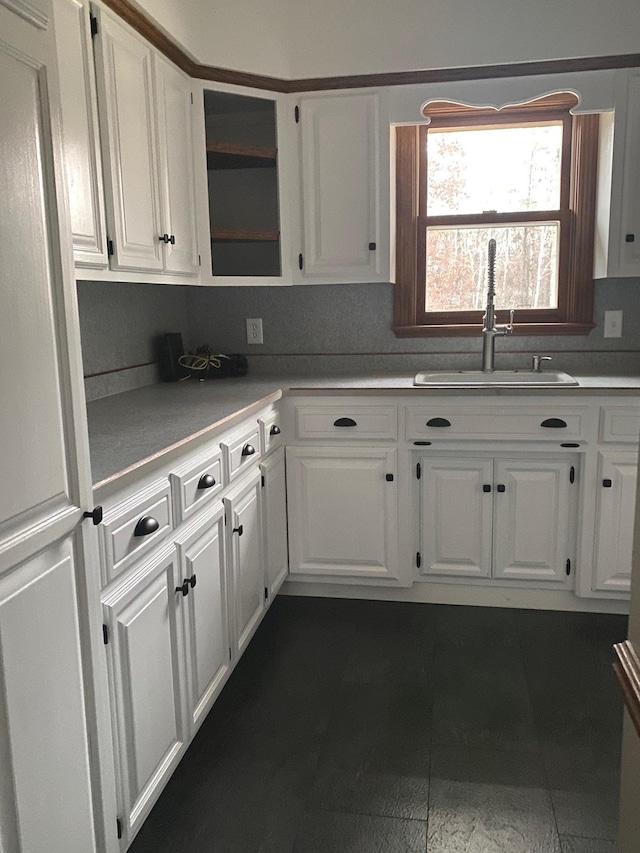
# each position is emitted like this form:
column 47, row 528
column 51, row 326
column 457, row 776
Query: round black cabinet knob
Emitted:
column 248, row 450
column 275, row 430
column 146, row 525
column 206, row 481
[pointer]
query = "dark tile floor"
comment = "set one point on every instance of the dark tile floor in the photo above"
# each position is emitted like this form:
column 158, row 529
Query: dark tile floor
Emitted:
column 374, row 727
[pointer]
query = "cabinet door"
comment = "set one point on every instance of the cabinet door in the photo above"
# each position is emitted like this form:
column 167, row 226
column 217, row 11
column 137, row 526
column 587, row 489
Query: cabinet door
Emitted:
column 83, row 165
column 247, row 589
column 629, row 234
column 341, row 186
column 145, row 657
column 456, row 516
column 532, row 513
column 342, row 512
column 45, row 796
column 275, row 521
column 124, row 67
column 175, row 150
column 615, row 518
column 202, row 560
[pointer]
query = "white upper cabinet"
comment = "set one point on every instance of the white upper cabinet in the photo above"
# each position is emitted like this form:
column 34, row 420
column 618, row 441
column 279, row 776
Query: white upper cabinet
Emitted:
column 345, row 188
column 83, row 162
column 617, row 245
column 145, row 120
column 175, row 150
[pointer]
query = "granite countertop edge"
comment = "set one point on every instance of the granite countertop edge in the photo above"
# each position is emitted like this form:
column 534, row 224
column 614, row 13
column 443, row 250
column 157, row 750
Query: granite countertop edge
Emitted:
column 128, row 430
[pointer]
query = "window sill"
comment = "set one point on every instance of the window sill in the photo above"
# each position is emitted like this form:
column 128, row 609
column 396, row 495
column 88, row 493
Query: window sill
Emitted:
column 475, row 330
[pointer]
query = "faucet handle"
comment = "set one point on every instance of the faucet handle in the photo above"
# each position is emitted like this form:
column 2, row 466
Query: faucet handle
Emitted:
column 508, row 329
column 537, row 360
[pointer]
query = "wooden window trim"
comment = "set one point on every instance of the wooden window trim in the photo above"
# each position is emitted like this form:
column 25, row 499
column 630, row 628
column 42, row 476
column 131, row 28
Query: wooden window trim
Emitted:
column 574, row 315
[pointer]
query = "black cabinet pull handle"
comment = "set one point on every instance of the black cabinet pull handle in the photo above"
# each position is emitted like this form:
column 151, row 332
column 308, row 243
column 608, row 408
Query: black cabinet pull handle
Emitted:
column 165, row 238
column 248, row 450
column 486, row 488
column 95, row 515
column 172, row 240
column 607, row 483
column 372, row 247
column 554, row 423
column 191, row 581
column 275, row 430
column 389, row 478
column 238, row 530
column 501, row 488
column 184, row 589
column 629, row 238
column 207, row 481
column 345, row 422
column 146, row 525
column 438, row 422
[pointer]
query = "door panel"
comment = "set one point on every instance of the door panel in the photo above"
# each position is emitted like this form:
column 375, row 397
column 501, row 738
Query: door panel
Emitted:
column 615, row 520
column 342, row 512
column 456, row 516
column 207, row 629
column 532, row 519
column 44, row 749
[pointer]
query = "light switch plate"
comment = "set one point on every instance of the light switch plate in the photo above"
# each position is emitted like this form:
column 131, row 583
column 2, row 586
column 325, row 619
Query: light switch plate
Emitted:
column 613, row 324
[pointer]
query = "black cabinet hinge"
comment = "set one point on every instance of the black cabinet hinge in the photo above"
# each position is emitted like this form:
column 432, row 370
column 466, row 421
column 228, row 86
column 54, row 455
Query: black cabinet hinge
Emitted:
column 192, row 97
column 105, row 634
column 572, row 474
column 94, row 25
column 296, row 113
column 229, row 652
column 418, row 471
column 568, row 568
column 119, row 827
column 266, row 593
column 199, row 260
column 300, row 260
column 110, row 247
column 418, row 559
column 262, row 481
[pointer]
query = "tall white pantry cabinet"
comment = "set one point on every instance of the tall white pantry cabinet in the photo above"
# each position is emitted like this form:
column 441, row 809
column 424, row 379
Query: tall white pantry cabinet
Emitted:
column 52, row 697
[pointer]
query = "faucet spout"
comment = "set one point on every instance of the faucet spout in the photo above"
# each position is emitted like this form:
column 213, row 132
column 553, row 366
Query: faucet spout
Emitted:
column 489, row 328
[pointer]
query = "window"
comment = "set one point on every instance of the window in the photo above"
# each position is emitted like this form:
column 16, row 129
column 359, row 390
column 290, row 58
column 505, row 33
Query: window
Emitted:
column 524, row 176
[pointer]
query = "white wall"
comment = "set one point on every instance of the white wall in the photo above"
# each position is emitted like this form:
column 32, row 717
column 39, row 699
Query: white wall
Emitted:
column 317, row 38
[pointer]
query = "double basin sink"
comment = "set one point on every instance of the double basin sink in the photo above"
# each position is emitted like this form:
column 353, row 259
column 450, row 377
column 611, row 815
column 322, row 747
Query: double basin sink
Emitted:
column 498, row 378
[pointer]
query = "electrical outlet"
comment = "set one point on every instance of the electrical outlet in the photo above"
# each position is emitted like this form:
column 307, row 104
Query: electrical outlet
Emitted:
column 613, row 324
column 254, row 331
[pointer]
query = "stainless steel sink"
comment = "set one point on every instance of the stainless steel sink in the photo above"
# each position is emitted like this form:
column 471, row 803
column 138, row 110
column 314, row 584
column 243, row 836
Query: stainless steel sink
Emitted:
column 499, row 378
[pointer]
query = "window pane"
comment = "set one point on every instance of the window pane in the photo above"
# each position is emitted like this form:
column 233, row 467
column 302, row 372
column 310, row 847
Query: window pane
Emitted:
column 526, row 269
column 505, row 169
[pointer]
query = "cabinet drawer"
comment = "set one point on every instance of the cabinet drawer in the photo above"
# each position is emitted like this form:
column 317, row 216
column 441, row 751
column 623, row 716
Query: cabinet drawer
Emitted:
column 133, row 526
column 620, row 424
column 347, row 422
column 541, row 424
column 196, row 482
column 270, row 431
column 240, row 449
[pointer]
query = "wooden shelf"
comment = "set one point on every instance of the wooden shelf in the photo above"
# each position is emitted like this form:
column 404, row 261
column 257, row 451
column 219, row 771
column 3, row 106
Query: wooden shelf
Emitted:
column 233, row 155
column 243, row 235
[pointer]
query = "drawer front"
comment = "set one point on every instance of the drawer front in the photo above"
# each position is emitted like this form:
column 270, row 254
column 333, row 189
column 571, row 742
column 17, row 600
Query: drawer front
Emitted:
column 270, row 431
column 620, row 424
column 509, row 424
column 240, row 450
column 194, row 484
column 347, row 422
column 134, row 526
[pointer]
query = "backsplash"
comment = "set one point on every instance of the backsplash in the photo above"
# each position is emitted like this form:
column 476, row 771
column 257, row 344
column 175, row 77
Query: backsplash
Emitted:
column 329, row 329
column 342, row 328
column 119, row 326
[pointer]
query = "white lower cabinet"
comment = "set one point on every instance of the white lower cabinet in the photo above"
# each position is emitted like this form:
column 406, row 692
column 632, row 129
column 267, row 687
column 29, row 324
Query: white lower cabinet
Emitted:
column 243, row 506
column 275, row 521
column 201, row 550
column 342, row 512
column 143, row 618
column 489, row 517
column 615, row 517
